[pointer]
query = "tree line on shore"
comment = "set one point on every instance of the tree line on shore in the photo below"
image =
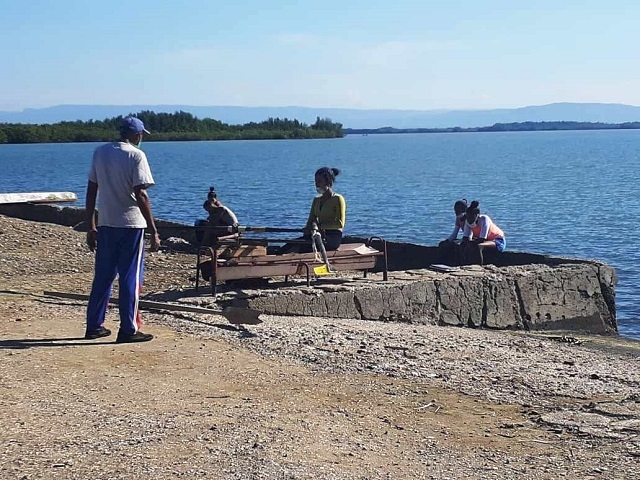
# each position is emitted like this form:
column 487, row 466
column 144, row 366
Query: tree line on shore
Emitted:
column 503, row 127
column 183, row 126
column 168, row 127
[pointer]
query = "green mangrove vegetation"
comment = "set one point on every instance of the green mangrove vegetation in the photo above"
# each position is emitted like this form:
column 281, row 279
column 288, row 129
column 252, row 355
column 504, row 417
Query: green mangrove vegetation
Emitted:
column 168, row 127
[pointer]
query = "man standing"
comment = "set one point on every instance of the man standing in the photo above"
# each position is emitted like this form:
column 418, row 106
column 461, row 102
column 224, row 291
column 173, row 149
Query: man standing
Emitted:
column 121, row 173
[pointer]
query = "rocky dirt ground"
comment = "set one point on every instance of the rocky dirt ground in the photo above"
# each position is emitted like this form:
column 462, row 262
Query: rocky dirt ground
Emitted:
column 293, row 397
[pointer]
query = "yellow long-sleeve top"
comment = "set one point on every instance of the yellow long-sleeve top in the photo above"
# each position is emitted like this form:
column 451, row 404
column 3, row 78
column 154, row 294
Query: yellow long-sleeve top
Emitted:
column 330, row 214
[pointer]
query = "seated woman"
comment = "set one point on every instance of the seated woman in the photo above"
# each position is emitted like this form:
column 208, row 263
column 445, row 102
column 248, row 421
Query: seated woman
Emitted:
column 328, row 212
column 480, row 230
column 219, row 216
column 449, row 253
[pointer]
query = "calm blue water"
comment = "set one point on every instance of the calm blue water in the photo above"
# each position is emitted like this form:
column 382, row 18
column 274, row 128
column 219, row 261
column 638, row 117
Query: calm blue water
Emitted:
column 560, row 193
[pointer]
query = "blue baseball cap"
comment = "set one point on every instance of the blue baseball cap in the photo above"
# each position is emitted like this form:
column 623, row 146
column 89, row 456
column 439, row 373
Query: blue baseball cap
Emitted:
column 133, row 125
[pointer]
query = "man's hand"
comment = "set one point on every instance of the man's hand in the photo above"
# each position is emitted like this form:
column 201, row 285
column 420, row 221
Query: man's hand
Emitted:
column 155, row 243
column 92, row 238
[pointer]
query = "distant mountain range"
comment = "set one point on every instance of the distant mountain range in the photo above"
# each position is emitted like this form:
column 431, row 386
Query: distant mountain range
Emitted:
column 350, row 118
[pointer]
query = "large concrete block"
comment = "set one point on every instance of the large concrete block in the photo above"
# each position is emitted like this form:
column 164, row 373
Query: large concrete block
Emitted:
column 564, row 296
column 501, row 308
column 460, row 301
column 335, row 304
column 413, row 301
column 421, row 301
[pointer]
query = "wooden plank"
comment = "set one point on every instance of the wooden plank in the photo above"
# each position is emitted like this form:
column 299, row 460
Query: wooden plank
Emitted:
column 256, row 271
column 37, row 197
column 274, row 260
column 234, row 315
column 360, row 248
column 238, row 272
column 355, row 264
column 242, row 251
column 345, row 251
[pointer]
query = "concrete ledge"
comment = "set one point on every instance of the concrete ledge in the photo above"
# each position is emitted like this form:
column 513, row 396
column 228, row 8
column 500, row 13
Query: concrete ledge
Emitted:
column 68, row 216
column 537, row 297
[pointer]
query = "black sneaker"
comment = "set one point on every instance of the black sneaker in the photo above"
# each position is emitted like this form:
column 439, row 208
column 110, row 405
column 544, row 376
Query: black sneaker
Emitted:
column 133, row 337
column 98, row 333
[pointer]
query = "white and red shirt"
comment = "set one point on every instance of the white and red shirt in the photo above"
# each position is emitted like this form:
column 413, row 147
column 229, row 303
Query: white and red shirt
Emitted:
column 483, row 228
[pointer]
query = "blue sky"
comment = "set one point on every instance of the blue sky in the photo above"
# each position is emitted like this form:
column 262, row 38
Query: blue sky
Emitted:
column 400, row 54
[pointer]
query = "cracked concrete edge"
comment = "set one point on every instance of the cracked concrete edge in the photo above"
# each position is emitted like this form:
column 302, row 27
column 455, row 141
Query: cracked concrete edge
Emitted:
column 566, row 297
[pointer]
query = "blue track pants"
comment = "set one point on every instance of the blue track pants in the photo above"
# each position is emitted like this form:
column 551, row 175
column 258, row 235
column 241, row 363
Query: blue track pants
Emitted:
column 120, row 251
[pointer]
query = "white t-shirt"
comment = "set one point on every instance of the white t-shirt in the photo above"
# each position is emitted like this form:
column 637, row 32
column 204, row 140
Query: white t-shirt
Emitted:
column 117, row 168
column 225, row 217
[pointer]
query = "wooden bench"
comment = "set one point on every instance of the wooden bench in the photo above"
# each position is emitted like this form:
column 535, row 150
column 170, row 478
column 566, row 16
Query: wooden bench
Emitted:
column 348, row 257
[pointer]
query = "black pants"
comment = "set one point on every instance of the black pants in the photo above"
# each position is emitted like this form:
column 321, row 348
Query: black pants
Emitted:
column 200, row 232
column 470, row 254
column 449, row 253
column 331, row 239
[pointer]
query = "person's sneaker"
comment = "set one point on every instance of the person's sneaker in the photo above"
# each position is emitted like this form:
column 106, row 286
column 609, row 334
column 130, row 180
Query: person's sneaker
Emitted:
column 98, row 333
column 133, row 337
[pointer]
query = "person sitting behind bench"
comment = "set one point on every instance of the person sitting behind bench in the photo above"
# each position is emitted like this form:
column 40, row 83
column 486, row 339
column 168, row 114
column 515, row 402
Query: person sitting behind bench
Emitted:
column 219, row 216
column 448, row 250
column 460, row 209
column 328, row 211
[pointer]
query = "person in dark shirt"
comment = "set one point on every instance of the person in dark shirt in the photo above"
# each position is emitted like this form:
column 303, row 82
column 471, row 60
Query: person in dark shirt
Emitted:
column 219, row 216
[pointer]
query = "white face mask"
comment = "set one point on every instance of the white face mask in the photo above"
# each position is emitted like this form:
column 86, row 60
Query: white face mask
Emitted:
column 134, row 144
column 139, row 145
column 321, row 190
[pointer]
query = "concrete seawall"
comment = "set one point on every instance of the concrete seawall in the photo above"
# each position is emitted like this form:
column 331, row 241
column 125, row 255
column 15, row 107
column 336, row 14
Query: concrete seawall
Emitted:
column 515, row 290
column 535, row 297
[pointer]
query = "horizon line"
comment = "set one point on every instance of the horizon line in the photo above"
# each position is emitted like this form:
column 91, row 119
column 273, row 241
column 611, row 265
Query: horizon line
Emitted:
column 439, row 110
